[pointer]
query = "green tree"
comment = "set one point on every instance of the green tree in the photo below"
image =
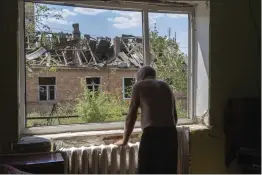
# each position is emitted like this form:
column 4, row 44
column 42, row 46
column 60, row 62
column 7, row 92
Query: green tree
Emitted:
column 36, row 14
column 169, row 62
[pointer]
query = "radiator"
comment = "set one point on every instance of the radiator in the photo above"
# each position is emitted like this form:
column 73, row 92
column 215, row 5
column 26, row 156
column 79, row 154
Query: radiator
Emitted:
column 111, row 159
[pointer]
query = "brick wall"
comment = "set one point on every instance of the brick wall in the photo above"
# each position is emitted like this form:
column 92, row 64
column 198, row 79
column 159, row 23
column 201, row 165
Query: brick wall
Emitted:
column 70, row 83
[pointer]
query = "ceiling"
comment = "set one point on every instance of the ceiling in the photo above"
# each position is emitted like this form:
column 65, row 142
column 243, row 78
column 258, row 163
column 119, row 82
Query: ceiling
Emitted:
column 155, row 2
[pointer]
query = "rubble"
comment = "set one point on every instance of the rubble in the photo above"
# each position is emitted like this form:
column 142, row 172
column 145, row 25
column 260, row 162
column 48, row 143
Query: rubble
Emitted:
column 63, row 49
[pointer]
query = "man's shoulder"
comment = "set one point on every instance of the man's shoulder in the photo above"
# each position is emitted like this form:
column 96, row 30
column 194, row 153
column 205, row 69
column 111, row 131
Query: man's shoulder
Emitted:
column 162, row 82
column 150, row 82
column 136, row 84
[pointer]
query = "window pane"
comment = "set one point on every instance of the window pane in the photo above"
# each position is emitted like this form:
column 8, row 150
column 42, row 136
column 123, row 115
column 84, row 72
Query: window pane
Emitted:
column 77, row 49
column 169, row 47
column 51, row 93
column 96, row 80
column 46, row 80
column 93, row 80
column 89, row 80
column 90, row 88
column 96, row 88
column 128, row 83
column 42, row 93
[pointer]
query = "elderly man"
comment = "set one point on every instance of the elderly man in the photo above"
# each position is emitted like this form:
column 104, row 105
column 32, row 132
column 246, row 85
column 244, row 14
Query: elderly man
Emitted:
column 158, row 147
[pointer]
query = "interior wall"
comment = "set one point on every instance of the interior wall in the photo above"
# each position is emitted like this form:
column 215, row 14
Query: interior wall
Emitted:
column 234, row 54
column 8, row 88
column 235, row 71
column 202, row 57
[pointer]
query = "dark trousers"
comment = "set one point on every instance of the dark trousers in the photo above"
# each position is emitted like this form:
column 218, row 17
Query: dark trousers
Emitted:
column 158, row 151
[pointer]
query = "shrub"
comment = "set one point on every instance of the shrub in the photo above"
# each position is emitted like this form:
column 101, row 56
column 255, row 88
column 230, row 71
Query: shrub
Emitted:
column 100, row 107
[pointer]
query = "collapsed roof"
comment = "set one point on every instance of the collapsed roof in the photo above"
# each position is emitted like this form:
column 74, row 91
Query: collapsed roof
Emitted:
column 63, row 49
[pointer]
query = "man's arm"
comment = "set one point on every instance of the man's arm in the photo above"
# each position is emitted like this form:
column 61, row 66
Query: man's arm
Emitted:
column 174, row 105
column 132, row 114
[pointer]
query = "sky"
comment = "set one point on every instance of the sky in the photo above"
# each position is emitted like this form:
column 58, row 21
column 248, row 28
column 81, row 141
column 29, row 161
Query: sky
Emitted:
column 111, row 23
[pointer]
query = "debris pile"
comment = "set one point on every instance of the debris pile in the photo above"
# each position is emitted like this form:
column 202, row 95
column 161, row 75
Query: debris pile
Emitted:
column 63, row 49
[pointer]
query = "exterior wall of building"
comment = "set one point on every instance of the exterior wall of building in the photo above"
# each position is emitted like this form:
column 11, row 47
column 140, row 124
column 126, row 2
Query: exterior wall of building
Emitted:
column 71, row 82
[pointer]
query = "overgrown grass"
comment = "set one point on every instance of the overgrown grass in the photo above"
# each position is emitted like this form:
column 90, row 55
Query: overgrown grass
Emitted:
column 45, row 122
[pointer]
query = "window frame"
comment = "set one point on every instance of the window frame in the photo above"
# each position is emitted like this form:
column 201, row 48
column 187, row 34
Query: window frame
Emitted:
column 128, row 6
column 123, row 87
column 47, row 91
column 99, row 86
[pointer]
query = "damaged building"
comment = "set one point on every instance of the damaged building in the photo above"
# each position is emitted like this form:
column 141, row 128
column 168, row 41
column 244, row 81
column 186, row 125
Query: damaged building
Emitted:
column 72, row 50
column 61, row 65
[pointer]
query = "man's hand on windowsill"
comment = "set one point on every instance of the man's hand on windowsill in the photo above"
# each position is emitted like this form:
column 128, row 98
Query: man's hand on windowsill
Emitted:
column 120, row 143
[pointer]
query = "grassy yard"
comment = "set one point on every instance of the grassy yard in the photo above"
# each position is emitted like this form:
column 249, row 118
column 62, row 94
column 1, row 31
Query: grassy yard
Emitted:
column 90, row 108
column 182, row 113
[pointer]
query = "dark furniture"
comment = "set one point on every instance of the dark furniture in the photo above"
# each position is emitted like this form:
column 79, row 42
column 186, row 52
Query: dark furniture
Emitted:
column 242, row 127
column 249, row 161
column 36, row 163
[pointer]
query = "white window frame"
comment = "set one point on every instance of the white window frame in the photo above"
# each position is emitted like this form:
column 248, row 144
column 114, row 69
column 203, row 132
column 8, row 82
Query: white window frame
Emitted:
column 99, row 85
column 47, row 91
column 144, row 9
column 123, row 87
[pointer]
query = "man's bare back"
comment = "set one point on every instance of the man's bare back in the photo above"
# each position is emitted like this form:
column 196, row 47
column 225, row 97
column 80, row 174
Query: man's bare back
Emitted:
column 157, row 103
column 156, row 100
column 158, row 120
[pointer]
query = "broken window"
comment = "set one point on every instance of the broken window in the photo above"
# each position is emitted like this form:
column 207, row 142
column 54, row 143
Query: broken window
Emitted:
column 127, row 87
column 46, row 88
column 93, row 83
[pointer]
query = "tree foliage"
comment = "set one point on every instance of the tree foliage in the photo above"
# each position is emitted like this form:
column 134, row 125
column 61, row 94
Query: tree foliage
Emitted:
column 169, row 62
column 35, row 16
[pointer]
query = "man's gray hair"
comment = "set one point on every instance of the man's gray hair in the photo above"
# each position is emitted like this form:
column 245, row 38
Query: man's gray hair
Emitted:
column 146, row 72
